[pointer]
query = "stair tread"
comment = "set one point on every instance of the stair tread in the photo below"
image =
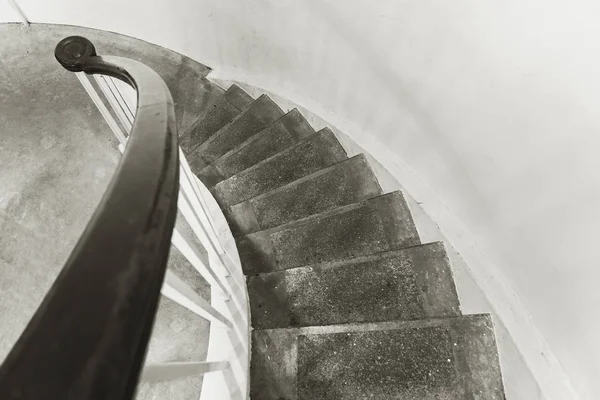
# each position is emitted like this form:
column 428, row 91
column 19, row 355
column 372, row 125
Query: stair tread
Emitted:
column 312, row 154
column 219, row 114
column 379, row 224
column 256, row 117
column 283, row 133
column 440, row 358
column 406, row 284
column 349, row 181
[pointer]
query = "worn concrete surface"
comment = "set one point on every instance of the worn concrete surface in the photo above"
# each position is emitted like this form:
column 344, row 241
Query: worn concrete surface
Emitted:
column 377, row 364
column 372, row 226
column 216, row 115
column 186, row 79
column 312, row 154
column 284, row 132
column 435, row 359
column 57, row 156
column 414, row 283
column 256, row 117
column 347, row 182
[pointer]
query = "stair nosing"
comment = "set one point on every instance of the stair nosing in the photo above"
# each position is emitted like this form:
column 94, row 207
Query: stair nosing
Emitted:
column 347, row 261
column 378, row 326
column 336, row 211
column 202, row 117
column 220, row 131
column 306, row 178
column 268, row 159
column 245, row 143
column 237, row 87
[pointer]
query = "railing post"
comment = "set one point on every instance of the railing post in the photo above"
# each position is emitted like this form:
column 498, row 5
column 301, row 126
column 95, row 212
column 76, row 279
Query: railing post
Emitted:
column 176, row 370
column 122, row 111
column 89, row 88
column 181, row 293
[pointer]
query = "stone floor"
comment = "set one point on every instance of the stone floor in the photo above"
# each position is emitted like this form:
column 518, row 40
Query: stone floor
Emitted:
column 57, row 156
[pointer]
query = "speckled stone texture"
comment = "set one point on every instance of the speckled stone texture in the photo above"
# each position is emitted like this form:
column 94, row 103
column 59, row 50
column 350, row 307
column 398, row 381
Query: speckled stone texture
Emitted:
column 312, row 154
column 408, row 284
column 185, row 78
column 380, row 224
column 217, row 115
column 434, row 359
column 284, row 132
column 261, row 113
column 347, row 182
column 57, row 156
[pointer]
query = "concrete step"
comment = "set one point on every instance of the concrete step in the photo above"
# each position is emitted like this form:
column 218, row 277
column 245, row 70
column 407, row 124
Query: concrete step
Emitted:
column 256, row 117
column 347, row 182
column 283, row 133
column 379, row 224
column 310, row 155
column 435, row 359
column 221, row 113
column 408, row 284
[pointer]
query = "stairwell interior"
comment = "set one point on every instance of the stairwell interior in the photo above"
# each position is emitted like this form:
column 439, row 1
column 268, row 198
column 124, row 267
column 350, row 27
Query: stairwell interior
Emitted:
column 346, row 302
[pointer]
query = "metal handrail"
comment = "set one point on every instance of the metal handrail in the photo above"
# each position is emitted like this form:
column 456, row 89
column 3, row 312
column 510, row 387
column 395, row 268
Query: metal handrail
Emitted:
column 88, row 338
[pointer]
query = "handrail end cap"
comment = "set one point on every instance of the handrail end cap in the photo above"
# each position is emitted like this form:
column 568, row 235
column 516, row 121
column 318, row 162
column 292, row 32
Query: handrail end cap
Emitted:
column 73, row 52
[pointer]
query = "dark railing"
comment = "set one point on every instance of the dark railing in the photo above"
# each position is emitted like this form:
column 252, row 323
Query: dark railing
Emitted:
column 88, row 338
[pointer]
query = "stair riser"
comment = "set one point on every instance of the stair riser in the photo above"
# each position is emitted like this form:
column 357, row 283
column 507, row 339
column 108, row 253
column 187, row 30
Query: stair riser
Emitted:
column 376, row 225
column 451, row 358
column 409, row 284
column 282, row 134
column 258, row 116
column 348, row 182
column 319, row 151
column 225, row 110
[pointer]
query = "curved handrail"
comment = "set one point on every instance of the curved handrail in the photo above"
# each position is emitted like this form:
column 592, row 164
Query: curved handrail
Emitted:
column 88, row 338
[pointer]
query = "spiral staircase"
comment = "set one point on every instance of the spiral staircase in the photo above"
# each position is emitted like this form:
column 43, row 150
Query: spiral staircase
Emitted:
column 346, row 303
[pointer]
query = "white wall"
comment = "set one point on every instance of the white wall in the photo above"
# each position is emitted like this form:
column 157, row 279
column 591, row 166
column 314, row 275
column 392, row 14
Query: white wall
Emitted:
column 519, row 382
column 486, row 111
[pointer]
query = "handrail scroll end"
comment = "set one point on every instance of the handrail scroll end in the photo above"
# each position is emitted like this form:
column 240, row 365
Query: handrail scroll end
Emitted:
column 73, row 52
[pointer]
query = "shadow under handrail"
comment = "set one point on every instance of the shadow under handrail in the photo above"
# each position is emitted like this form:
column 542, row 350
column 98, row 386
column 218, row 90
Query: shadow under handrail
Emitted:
column 88, row 338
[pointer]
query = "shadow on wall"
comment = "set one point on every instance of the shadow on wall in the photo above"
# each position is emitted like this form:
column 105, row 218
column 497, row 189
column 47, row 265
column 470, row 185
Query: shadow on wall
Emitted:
column 392, row 83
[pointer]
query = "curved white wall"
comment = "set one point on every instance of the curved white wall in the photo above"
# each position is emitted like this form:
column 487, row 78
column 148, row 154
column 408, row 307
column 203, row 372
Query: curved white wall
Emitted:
column 489, row 109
